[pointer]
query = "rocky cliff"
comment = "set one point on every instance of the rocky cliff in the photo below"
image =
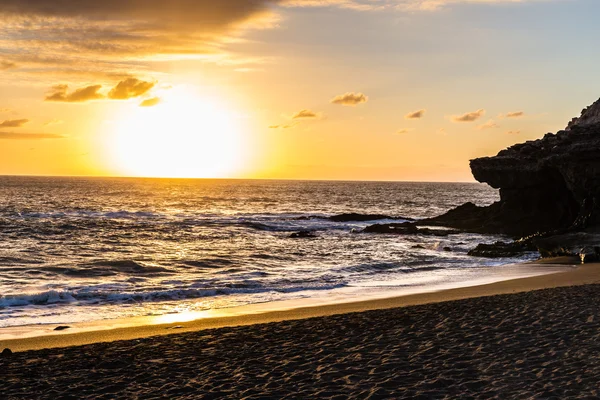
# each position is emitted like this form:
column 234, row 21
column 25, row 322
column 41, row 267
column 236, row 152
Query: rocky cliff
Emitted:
column 550, row 184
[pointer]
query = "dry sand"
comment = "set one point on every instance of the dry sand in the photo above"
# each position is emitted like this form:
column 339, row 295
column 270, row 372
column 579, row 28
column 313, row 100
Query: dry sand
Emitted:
column 534, row 344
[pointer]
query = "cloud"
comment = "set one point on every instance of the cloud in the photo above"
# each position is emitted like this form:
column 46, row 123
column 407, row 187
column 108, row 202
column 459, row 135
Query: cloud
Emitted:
column 468, row 117
column 289, row 126
column 516, row 114
column 28, row 136
column 59, row 93
column 115, row 35
column 441, row 131
column 415, row 114
column 54, row 122
column 403, row 131
column 150, row 102
column 305, row 114
column 130, row 88
column 513, row 132
column 350, row 99
column 4, row 65
column 488, row 125
column 118, row 37
column 13, row 123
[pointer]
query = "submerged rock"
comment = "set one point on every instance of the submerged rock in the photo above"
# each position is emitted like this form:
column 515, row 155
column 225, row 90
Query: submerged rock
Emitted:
column 354, row 217
column 549, row 184
column 303, row 235
column 407, row 228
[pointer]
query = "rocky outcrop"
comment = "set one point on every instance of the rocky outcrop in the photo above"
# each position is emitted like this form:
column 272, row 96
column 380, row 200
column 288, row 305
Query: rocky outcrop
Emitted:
column 589, row 116
column 550, row 184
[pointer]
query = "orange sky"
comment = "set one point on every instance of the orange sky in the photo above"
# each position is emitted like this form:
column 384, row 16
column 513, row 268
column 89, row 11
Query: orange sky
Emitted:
column 333, row 89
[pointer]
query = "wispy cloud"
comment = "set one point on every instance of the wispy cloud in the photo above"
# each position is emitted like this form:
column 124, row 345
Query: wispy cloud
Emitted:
column 4, row 65
column 13, row 123
column 150, row 102
column 28, row 136
column 350, row 99
column 54, row 122
column 130, row 88
column 305, row 114
column 288, row 126
column 415, row 114
column 516, row 114
column 60, row 93
column 488, row 125
column 513, row 132
column 468, row 117
column 404, row 131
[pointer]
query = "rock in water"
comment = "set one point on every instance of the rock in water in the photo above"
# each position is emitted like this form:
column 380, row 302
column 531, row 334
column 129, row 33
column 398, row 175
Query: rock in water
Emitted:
column 303, row 235
column 6, row 353
column 62, row 328
column 549, row 184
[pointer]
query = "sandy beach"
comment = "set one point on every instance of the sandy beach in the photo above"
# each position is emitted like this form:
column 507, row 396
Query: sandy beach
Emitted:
column 534, row 337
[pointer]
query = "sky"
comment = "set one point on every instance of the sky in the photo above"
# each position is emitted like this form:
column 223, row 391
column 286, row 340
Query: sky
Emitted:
column 287, row 89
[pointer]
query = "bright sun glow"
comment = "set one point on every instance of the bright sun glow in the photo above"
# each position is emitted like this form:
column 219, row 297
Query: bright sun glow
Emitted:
column 183, row 136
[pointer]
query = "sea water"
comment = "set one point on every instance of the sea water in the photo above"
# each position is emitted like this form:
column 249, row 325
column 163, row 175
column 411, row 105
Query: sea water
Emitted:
column 87, row 249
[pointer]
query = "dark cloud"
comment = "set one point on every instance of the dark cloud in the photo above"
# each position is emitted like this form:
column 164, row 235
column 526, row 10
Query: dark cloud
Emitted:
column 469, row 117
column 350, row 99
column 415, row 114
column 111, row 36
column 130, row 88
column 150, row 102
column 13, row 123
column 60, row 93
column 28, row 136
column 4, row 65
column 305, row 114
column 515, row 114
column 174, row 14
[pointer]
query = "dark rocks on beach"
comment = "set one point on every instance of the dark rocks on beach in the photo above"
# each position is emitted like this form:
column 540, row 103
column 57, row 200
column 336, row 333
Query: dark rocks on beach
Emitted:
column 585, row 245
column 62, row 328
column 501, row 249
column 549, row 184
column 407, row 228
column 303, row 235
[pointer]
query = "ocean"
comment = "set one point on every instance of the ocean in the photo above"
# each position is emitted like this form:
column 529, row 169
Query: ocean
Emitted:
column 90, row 249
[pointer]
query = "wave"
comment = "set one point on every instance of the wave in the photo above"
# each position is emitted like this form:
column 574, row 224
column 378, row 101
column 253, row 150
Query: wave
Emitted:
column 110, row 268
column 91, row 297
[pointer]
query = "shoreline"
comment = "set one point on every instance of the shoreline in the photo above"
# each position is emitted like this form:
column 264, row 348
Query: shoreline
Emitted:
column 265, row 313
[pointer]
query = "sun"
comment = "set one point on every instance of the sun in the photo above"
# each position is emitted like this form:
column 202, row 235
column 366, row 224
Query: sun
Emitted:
column 183, row 136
